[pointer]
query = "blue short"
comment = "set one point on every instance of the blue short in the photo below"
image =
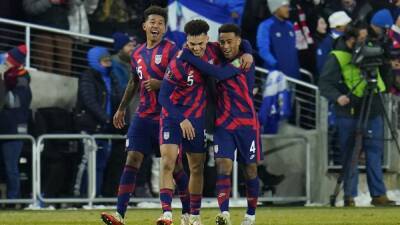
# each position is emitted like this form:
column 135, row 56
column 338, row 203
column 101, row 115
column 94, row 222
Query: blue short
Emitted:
column 171, row 133
column 143, row 136
column 246, row 141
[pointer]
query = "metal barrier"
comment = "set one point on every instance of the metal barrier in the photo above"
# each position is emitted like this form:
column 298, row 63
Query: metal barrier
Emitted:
column 48, row 49
column 112, row 137
column 90, row 143
column 307, row 145
column 33, row 198
column 306, row 99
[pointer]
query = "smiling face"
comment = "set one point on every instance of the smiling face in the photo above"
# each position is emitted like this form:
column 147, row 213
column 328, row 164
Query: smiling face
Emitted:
column 229, row 44
column 154, row 27
column 197, row 44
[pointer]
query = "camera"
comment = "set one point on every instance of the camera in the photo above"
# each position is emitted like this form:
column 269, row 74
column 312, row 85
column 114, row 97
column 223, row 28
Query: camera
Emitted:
column 368, row 56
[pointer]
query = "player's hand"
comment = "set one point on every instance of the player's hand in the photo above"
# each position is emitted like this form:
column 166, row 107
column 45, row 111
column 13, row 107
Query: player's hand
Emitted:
column 246, row 61
column 187, row 129
column 119, row 119
column 152, row 84
column 178, row 55
column 343, row 100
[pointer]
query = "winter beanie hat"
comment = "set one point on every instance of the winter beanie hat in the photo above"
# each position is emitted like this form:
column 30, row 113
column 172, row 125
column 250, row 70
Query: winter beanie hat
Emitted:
column 17, row 55
column 276, row 4
column 383, row 18
column 120, row 40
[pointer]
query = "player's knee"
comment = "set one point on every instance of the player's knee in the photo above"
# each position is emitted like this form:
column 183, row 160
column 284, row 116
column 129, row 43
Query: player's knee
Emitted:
column 167, row 164
column 197, row 169
column 251, row 171
column 134, row 159
column 224, row 166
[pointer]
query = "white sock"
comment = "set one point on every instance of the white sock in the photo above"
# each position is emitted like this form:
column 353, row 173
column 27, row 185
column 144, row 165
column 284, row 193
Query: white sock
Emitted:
column 251, row 217
column 226, row 213
column 168, row 214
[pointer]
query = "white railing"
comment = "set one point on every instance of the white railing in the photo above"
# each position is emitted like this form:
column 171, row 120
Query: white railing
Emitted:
column 66, row 57
column 90, row 143
column 24, row 137
column 306, row 99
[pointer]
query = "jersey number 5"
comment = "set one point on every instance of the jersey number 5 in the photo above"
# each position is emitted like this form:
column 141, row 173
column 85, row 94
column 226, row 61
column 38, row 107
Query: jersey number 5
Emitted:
column 139, row 72
column 190, row 80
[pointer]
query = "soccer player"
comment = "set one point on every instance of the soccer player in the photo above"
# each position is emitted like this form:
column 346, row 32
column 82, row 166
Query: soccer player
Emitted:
column 184, row 100
column 236, row 124
column 149, row 62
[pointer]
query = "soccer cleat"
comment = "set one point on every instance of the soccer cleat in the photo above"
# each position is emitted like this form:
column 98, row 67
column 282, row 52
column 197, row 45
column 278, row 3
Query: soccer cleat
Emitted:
column 248, row 221
column 185, row 219
column 164, row 220
column 223, row 219
column 110, row 219
column 195, row 220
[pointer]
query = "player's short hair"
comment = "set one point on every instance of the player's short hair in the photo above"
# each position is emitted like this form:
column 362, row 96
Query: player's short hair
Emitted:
column 196, row 27
column 156, row 10
column 230, row 28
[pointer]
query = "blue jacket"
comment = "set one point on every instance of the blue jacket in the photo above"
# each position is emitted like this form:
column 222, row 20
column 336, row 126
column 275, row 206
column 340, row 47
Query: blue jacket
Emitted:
column 17, row 113
column 324, row 48
column 121, row 70
column 98, row 95
column 276, row 42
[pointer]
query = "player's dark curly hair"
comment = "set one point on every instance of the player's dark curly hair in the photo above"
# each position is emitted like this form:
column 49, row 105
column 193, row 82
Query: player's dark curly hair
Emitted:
column 196, row 27
column 230, row 28
column 156, row 10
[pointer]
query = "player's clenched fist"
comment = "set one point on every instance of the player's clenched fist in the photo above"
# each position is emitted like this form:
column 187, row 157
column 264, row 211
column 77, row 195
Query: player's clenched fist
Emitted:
column 187, row 129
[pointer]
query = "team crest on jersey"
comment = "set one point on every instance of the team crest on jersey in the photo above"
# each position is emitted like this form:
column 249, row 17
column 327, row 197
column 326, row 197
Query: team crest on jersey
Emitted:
column 157, row 59
column 166, row 135
column 215, row 148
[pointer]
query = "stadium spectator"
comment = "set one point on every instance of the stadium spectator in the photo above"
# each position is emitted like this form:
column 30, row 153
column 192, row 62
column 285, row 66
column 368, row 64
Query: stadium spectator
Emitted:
column 254, row 12
column 51, row 52
column 14, row 116
column 381, row 21
column 338, row 22
column 339, row 78
column 123, row 46
column 276, row 40
column 358, row 10
column 98, row 97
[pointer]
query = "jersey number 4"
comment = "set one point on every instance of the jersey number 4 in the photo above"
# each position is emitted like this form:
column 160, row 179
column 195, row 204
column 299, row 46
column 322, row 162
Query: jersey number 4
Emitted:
column 253, row 147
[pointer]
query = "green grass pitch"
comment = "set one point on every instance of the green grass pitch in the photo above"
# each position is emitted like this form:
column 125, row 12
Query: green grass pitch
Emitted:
column 265, row 216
